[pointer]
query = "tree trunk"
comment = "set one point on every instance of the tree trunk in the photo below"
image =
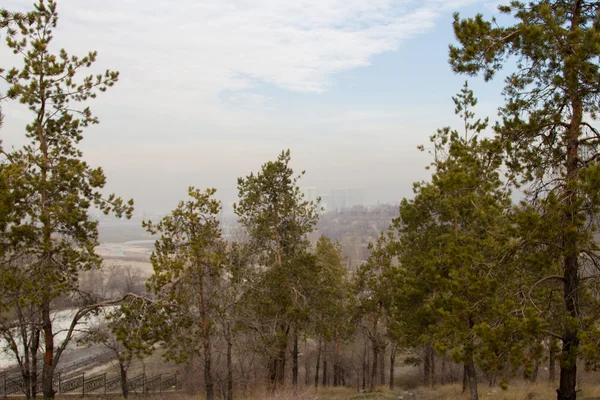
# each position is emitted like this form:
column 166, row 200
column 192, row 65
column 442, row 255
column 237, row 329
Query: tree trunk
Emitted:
column 375, row 347
column 229, row 363
column 25, row 360
column 273, row 370
column 318, row 365
column 208, row 383
column 443, row 373
column 281, row 367
column 432, row 363
column 373, row 380
column 295, row 361
column 382, row 367
column 48, row 369
column 465, row 382
column 364, row 367
column 552, row 361
column 473, row 394
column 335, row 374
column 306, row 365
column 426, row 367
column 123, row 373
column 324, row 383
column 281, row 357
column 35, row 345
column 429, row 366
column 336, row 360
column 393, row 350
column 568, row 362
column 26, row 384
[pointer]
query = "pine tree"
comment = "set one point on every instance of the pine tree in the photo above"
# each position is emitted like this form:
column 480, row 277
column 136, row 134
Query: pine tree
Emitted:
column 51, row 237
column 547, row 128
column 331, row 301
column 188, row 261
column 373, row 289
column 277, row 219
column 453, row 237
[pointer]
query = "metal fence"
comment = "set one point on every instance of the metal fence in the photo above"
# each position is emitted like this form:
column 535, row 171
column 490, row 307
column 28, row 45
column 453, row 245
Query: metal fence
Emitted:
column 96, row 384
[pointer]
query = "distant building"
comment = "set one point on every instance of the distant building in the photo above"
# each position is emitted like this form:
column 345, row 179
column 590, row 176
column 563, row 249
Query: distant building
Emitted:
column 325, row 204
column 310, row 193
column 588, row 151
column 355, row 197
column 338, row 199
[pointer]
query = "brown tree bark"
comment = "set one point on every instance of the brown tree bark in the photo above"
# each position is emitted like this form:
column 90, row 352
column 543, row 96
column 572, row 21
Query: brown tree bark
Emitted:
column 35, row 345
column 429, row 366
column 318, row 364
column 373, row 380
column 432, row 363
column 375, row 348
column 208, row 383
column 393, row 350
column 552, row 361
column 281, row 359
column 443, row 372
column 123, row 374
column 229, row 340
column 382, row 366
column 365, row 362
column 568, row 362
column 473, row 393
column 306, row 365
column 324, row 383
column 295, row 361
column 336, row 360
column 426, row 367
column 49, row 366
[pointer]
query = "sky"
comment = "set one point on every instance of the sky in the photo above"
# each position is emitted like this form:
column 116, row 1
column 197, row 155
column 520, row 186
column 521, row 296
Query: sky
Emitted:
column 209, row 90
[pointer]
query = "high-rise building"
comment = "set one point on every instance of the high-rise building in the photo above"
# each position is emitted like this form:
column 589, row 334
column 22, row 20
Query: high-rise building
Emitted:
column 356, row 197
column 310, row 193
column 325, row 204
column 338, row 199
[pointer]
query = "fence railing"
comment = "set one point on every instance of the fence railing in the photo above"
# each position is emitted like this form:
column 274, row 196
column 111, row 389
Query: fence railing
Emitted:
column 97, row 384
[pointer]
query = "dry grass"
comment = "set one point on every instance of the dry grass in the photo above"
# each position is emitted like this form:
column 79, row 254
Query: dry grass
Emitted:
column 522, row 391
column 330, row 393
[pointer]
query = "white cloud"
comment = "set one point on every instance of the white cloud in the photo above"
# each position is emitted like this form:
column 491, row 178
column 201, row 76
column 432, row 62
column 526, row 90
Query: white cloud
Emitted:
column 191, row 106
column 192, row 51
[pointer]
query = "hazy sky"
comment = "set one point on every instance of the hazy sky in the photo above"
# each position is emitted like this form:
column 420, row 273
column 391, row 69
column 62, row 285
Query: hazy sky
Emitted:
column 211, row 89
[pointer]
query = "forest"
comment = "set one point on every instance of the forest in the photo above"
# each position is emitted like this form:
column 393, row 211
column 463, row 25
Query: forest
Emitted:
column 487, row 274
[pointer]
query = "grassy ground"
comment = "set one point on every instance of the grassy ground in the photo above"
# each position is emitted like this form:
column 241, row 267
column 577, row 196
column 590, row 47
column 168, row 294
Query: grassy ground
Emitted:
column 326, row 394
column 522, row 391
column 448, row 392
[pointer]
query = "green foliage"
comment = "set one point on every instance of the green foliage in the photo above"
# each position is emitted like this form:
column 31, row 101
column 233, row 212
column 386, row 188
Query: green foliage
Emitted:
column 453, row 283
column 547, row 129
column 46, row 188
column 134, row 328
column 54, row 186
column 277, row 220
column 188, row 261
column 273, row 211
column 329, row 294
